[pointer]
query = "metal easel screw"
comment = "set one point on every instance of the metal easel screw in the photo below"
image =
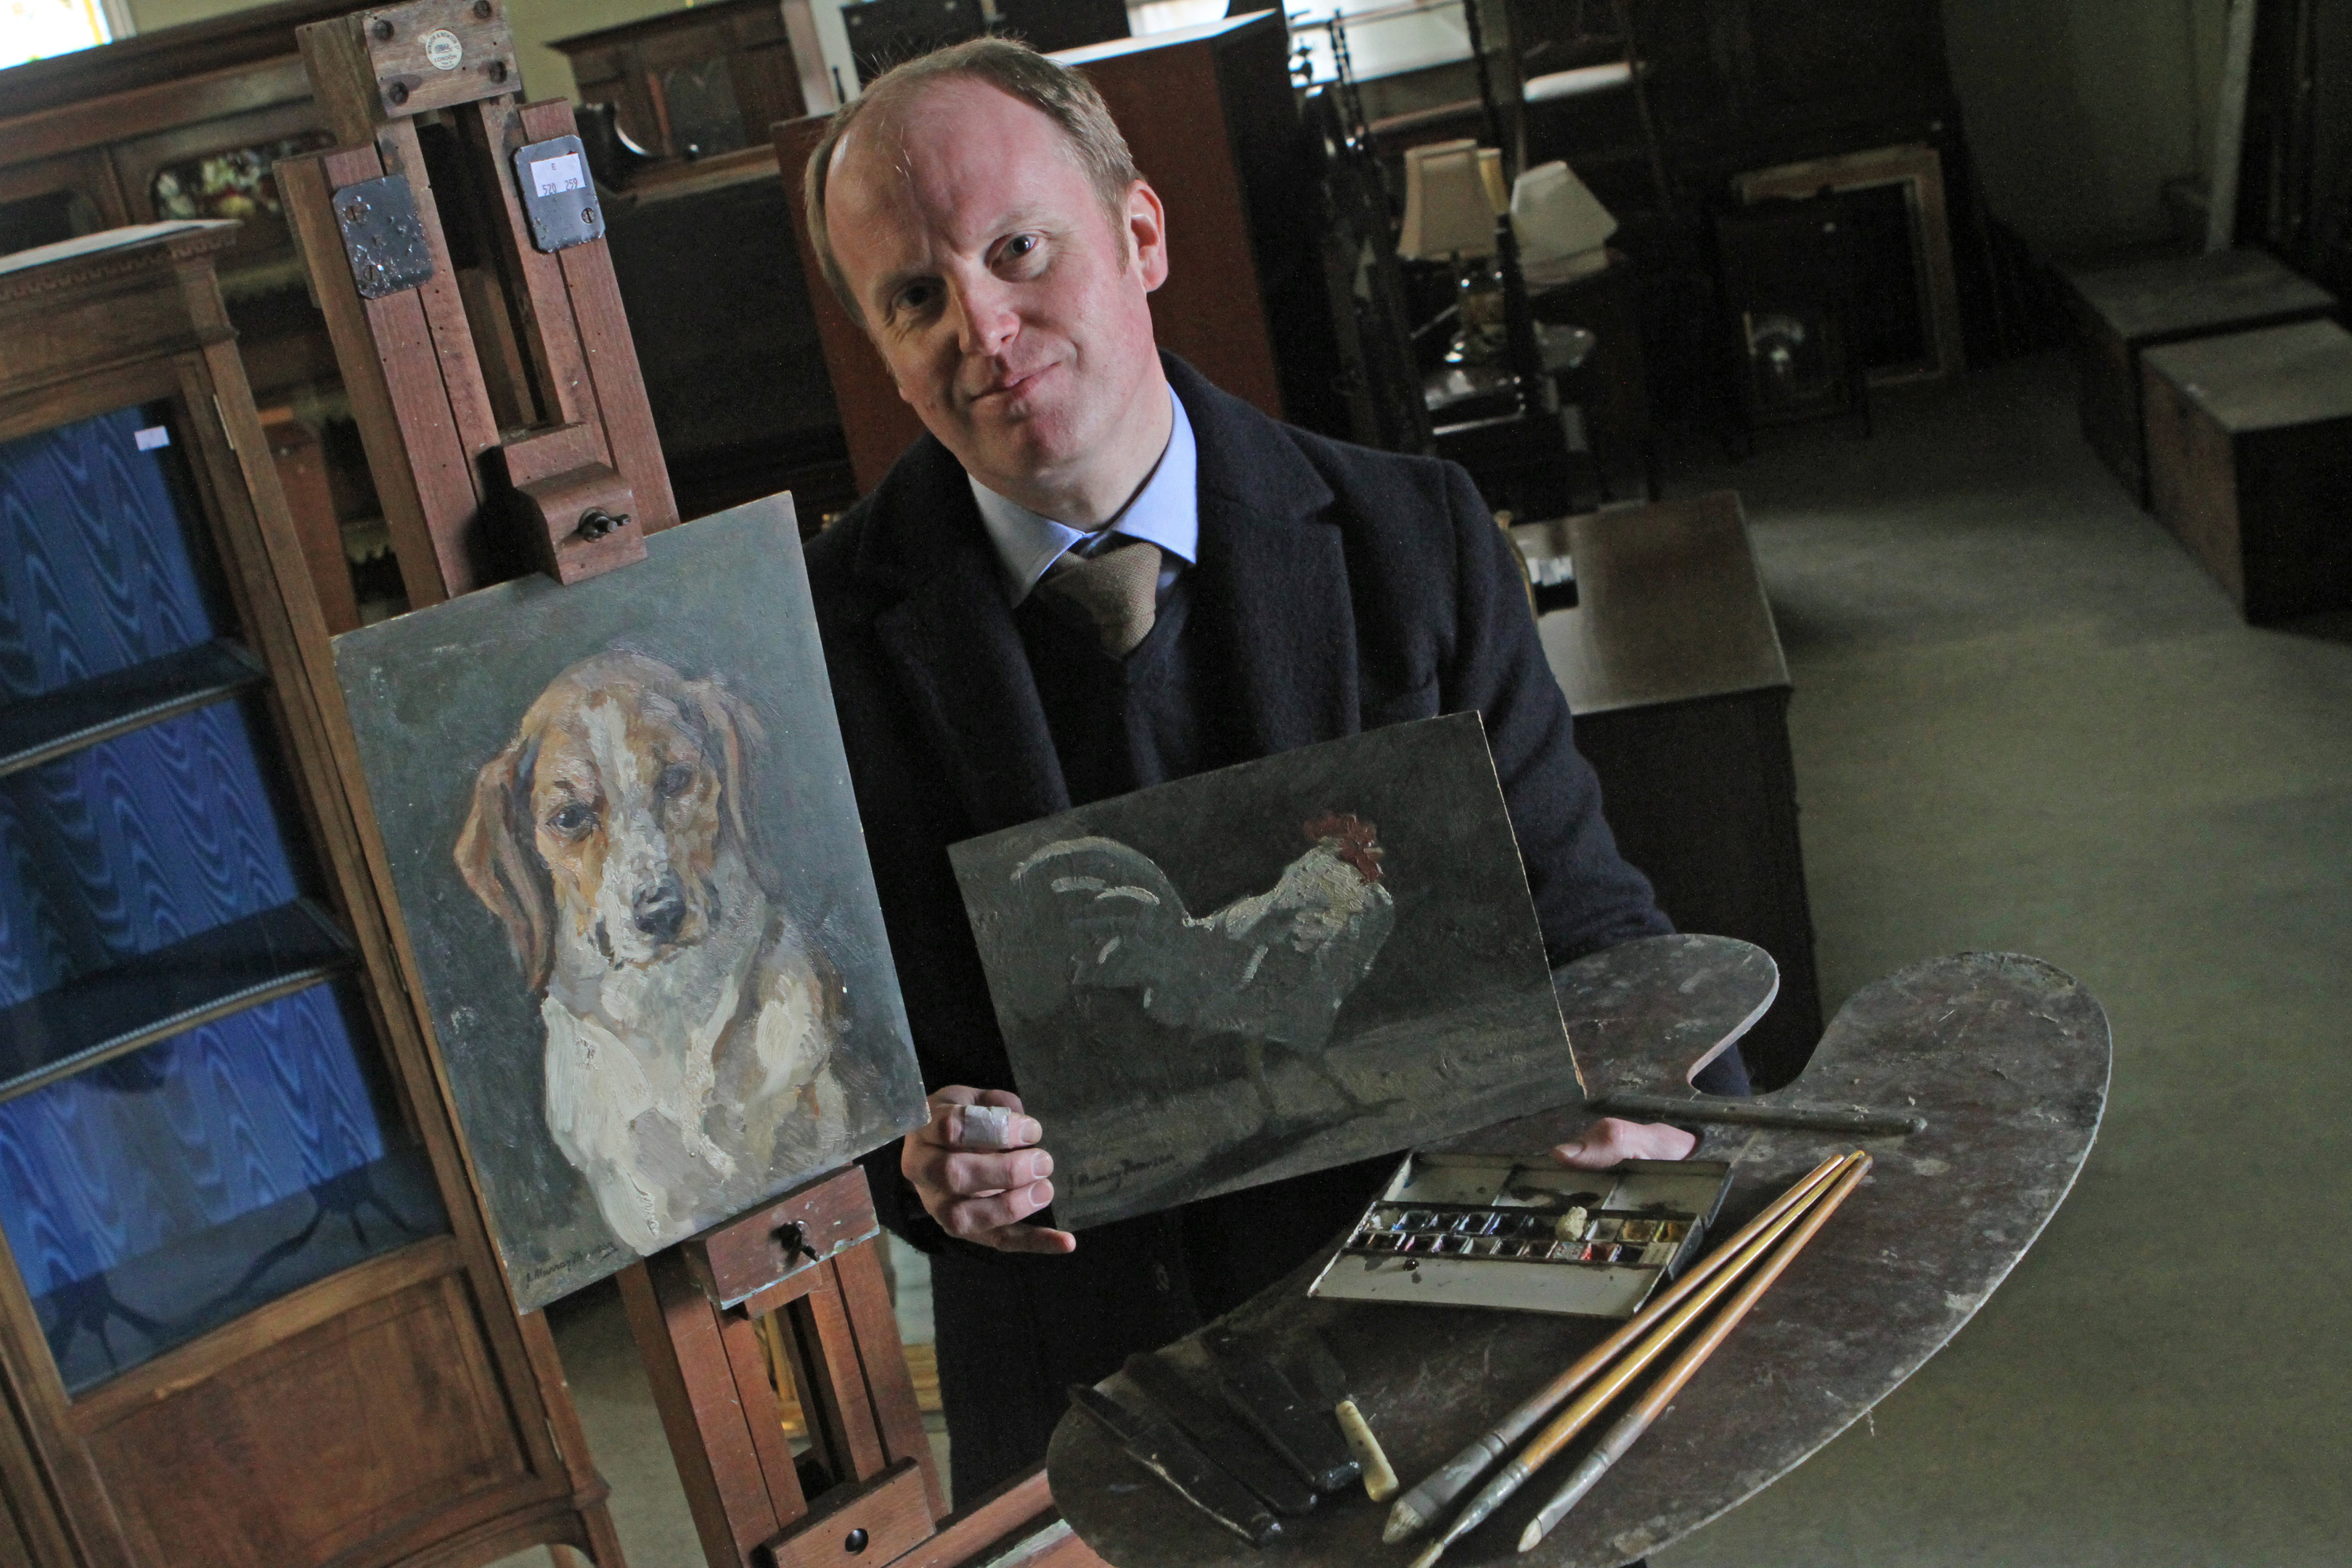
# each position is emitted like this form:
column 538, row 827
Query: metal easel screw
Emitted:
column 382, row 30
column 482, row 9
column 854, row 1542
column 596, row 523
column 497, row 70
column 397, row 92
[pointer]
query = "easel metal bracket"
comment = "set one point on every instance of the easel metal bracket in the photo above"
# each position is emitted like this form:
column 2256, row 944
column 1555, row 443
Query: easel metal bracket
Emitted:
column 382, row 236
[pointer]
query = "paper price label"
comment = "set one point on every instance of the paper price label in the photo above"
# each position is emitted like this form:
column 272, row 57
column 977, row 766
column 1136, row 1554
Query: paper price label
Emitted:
column 553, row 176
column 444, row 50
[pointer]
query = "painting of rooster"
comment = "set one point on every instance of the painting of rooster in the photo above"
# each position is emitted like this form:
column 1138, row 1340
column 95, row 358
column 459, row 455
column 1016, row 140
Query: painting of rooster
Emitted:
column 1273, row 968
column 1295, row 962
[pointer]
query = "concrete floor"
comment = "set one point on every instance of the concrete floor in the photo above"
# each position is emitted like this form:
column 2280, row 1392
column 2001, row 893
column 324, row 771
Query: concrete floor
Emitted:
column 2025, row 719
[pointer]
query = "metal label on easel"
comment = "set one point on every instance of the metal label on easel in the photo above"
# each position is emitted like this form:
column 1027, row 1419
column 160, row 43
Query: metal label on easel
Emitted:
column 383, row 236
column 558, row 193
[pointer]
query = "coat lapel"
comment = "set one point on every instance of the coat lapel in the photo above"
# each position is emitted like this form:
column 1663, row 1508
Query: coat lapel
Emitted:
column 957, row 653
column 1272, row 592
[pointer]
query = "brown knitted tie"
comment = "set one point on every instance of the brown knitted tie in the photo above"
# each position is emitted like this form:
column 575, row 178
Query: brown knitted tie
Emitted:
column 1118, row 589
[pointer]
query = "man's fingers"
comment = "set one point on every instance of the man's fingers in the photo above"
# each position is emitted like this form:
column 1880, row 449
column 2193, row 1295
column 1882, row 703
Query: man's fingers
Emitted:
column 1031, row 1239
column 974, row 1176
column 974, row 1218
column 1612, row 1140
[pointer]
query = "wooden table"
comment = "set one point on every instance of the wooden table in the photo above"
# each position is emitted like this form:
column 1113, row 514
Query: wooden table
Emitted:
column 2006, row 1059
column 2122, row 312
column 1673, row 671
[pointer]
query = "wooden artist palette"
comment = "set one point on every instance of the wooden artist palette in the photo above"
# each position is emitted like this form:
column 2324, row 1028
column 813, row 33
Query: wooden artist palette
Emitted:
column 2004, row 1057
column 1483, row 1230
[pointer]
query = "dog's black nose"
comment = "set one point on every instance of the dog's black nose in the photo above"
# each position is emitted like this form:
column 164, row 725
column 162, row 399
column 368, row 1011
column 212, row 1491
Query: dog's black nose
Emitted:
column 661, row 910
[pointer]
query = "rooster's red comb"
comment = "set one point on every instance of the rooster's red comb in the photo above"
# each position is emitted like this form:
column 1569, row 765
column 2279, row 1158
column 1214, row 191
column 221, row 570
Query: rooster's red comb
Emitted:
column 1359, row 840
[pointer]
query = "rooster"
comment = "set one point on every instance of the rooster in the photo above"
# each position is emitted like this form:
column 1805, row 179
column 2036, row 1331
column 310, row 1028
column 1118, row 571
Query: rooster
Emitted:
column 1271, row 968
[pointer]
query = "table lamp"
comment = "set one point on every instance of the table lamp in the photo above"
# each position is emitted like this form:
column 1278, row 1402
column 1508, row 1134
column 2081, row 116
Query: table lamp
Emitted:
column 1454, row 196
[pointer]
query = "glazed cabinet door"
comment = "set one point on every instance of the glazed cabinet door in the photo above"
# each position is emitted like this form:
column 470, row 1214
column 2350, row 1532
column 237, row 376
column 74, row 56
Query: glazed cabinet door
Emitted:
column 246, row 1314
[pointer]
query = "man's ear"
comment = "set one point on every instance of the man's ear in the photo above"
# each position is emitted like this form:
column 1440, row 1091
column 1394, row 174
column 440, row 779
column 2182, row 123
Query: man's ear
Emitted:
column 499, row 863
column 1147, row 234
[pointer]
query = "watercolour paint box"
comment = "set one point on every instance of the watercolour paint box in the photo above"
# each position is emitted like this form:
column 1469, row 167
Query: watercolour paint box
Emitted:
column 1482, row 1231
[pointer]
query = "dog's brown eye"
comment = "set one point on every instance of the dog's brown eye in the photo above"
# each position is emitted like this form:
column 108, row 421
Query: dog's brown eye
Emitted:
column 572, row 820
column 675, row 780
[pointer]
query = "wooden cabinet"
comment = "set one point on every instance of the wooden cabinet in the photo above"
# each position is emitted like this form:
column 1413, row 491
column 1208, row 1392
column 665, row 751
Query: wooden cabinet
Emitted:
column 1673, row 671
column 710, row 79
column 184, row 123
column 248, row 1313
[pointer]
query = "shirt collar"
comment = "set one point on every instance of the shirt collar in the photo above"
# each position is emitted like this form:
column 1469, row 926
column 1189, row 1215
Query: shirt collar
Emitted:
column 1166, row 513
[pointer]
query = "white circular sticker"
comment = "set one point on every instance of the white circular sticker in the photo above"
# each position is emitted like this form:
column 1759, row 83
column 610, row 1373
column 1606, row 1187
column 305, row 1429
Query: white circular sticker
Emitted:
column 443, row 49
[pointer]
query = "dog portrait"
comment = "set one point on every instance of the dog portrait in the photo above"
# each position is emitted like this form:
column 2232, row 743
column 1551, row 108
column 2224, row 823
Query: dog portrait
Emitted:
column 689, row 1023
column 625, row 848
column 1274, row 968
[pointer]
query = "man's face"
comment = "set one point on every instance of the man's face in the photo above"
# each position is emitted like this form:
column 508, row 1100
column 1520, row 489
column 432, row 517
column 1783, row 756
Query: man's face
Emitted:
column 1009, row 307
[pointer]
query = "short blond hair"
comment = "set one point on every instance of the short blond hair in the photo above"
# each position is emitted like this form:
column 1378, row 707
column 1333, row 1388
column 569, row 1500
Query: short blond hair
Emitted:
column 1013, row 68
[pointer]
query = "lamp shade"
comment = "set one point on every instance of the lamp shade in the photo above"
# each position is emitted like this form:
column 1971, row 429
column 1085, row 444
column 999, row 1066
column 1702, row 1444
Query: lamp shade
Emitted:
column 1453, row 195
column 1561, row 223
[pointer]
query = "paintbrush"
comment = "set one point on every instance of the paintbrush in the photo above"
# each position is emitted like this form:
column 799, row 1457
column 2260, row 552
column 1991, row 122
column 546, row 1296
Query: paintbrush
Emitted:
column 1861, row 1123
column 1620, row 1374
column 1652, row 1404
column 1420, row 1506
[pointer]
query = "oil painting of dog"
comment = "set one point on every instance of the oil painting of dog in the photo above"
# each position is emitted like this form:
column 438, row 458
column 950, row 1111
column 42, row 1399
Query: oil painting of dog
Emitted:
column 622, row 832
column 689, row 1024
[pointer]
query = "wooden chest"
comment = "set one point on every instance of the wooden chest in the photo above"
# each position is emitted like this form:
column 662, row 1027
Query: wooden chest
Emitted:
column 2122, row 312
column 2250, row 461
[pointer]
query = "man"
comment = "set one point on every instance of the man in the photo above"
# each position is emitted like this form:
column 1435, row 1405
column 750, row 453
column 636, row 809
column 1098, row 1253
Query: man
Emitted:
column 1097, row 573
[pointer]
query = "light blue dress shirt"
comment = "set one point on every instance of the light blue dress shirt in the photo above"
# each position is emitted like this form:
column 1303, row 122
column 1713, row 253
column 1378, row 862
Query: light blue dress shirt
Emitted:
column 1166, row 513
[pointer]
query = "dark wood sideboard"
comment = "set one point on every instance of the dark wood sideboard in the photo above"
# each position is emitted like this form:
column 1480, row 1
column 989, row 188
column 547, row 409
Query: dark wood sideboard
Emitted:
column 1673, row 671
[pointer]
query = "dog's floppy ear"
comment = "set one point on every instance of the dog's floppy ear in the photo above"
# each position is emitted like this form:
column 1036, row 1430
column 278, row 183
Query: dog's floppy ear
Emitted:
column 498, row 862
column 734, row 733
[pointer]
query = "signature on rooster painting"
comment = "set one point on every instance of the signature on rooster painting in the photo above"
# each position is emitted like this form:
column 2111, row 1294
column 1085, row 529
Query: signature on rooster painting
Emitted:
column 1273, row 968
column 691, row 1026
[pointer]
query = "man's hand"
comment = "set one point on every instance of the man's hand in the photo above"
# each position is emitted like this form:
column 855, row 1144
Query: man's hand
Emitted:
column 978, row 1171
column 1611, row 1138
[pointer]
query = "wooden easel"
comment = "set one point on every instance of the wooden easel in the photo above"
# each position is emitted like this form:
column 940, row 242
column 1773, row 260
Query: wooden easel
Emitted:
column 498, row 394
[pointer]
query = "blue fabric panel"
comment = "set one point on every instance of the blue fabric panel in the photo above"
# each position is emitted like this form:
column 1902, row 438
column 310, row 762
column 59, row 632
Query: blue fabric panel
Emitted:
column 131, row 845
column 160, row 1146
column 95, row 569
